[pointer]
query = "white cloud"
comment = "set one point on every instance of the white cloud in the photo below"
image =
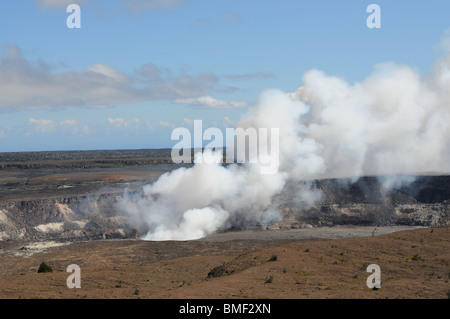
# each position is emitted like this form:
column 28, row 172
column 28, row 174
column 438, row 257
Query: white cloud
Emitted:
column 28, row 85
column 188, row 121
column 2, row 133
column 74, row 127
column 109, row 73
column 58, row 4
column 68, row 125
column 164, row 123
column 227, row 122
column 42, row 125
column 136, row 6
column 121, row 123
column 210, row 102
column 249, row 76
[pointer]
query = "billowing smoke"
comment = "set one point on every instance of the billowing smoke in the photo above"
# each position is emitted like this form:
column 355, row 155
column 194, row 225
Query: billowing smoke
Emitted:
column 190, row 203
column 394, row 124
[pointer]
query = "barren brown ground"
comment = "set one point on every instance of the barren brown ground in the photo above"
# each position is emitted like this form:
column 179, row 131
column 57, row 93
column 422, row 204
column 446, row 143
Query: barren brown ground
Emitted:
column 51, row 184
column 414, row 264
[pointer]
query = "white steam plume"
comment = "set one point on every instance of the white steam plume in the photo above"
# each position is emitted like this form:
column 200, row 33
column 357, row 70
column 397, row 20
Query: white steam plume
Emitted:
column 189, row 203
column 394, row 123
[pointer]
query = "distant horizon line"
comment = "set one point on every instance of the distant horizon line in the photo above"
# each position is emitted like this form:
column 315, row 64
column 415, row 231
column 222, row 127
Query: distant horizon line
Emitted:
column 90, row 150
column 98, row 150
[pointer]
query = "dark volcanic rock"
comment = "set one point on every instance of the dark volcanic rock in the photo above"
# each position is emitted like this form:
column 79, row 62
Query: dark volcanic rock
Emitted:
column 424, row 202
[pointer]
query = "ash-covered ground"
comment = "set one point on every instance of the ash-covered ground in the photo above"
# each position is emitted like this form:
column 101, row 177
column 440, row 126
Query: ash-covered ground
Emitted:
column 73, row 195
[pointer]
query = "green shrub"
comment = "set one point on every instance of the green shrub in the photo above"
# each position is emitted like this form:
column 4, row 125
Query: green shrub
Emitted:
column 44, row 268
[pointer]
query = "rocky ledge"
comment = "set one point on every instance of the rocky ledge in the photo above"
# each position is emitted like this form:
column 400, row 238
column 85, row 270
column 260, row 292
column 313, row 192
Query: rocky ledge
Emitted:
column 424, row 202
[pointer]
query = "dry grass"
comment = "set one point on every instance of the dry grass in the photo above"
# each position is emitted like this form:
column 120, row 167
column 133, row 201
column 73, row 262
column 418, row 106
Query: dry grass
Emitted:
column 414, row 264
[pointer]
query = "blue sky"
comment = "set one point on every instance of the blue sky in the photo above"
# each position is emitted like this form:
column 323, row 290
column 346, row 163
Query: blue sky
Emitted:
column 136, row 69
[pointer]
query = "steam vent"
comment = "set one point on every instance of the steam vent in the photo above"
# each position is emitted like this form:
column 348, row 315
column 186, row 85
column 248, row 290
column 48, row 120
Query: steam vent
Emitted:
column 50, row 197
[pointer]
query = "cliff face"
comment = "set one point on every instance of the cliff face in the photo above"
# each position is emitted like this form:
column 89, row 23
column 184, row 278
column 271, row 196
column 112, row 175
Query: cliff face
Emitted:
column 424, row 202
column 73, row 218
column 366, row 215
